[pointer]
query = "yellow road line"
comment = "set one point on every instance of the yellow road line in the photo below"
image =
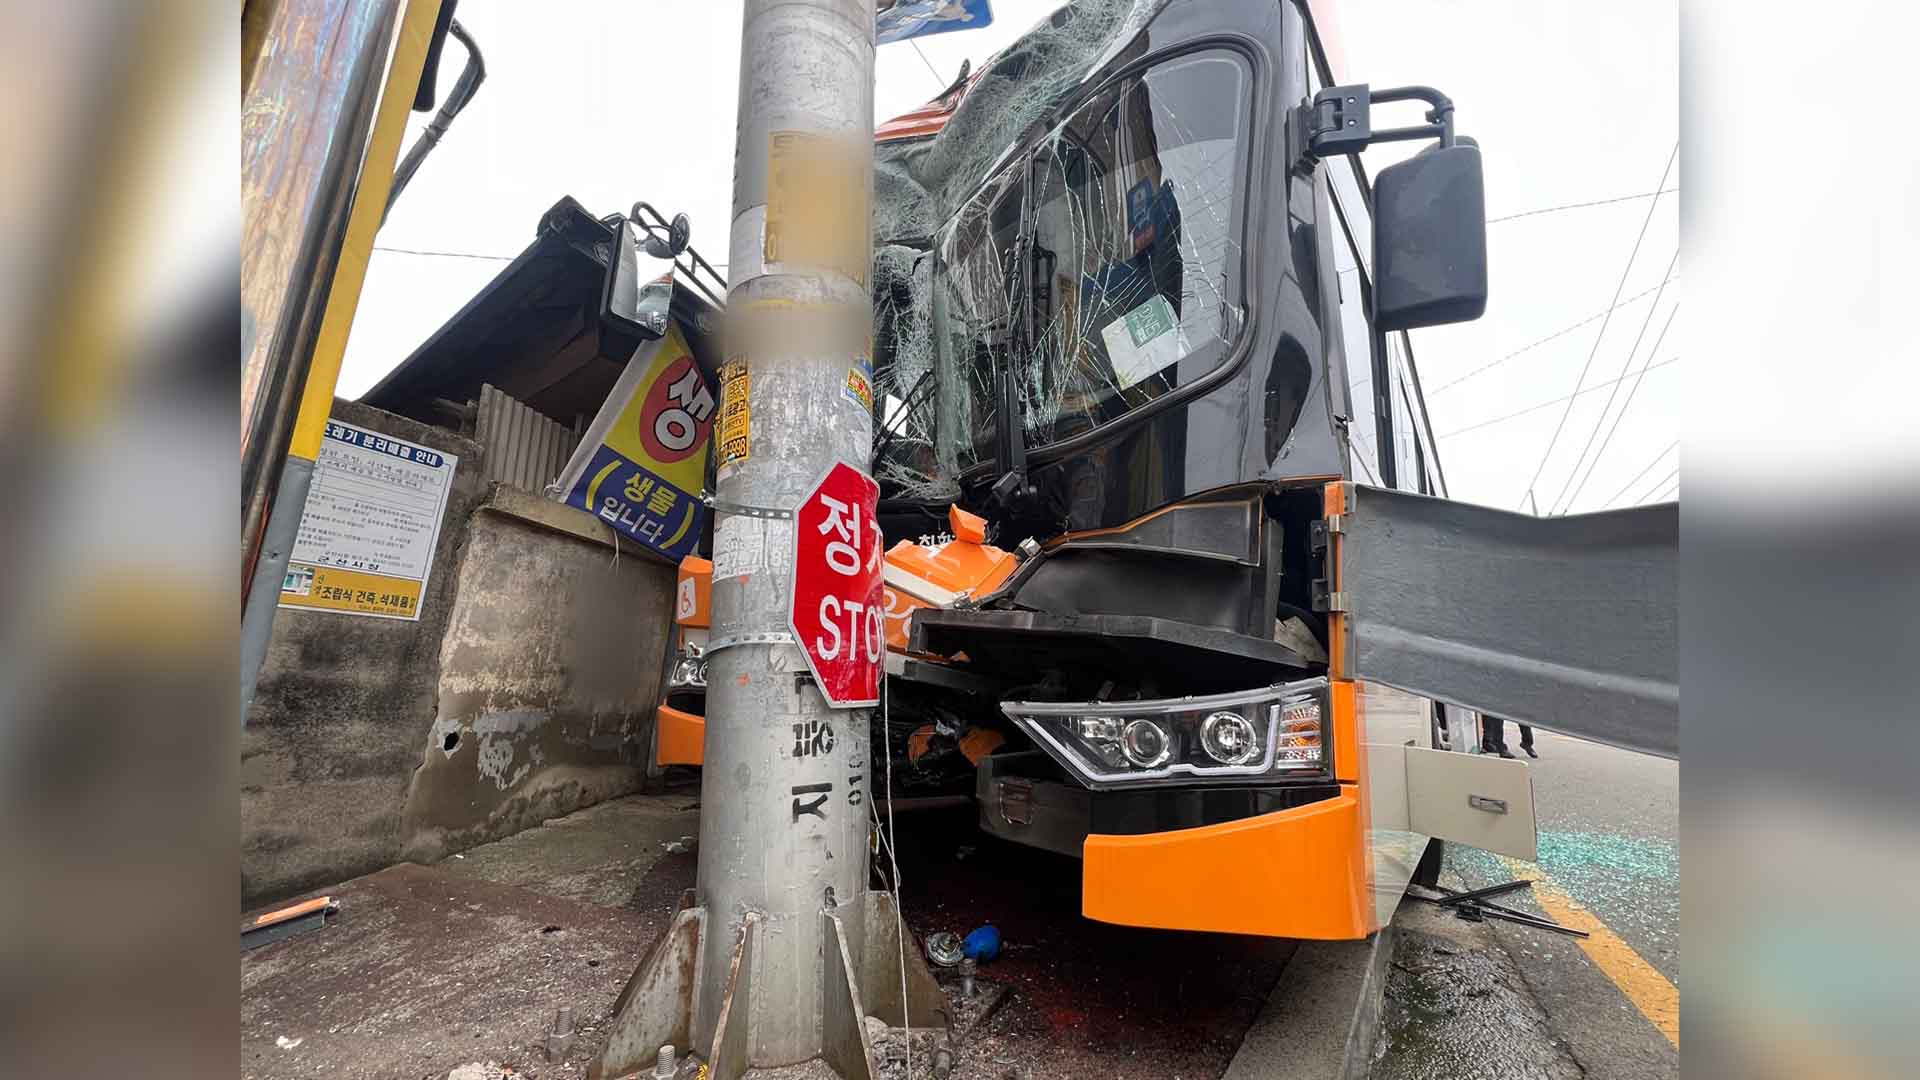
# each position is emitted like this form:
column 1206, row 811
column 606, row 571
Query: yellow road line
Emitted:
column 1651, row 992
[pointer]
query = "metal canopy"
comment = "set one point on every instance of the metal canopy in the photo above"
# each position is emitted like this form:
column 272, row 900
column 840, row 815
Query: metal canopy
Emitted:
column 534, row 332
column 1567, row 623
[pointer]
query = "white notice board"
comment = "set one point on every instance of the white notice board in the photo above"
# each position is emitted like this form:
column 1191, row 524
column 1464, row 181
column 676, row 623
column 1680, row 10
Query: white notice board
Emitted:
column 372, row 521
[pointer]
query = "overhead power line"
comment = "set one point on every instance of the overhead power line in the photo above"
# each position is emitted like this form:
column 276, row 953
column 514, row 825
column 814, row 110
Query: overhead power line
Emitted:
column 1581, row 205
column 1625, row 405
column 935, row 72
column 1560, row 333
column 1632, row 350
column 1601, row 336
column 445, row 254
column 474, row 255
column 1554, row 401
column 1637, row 477
column 1665, row 488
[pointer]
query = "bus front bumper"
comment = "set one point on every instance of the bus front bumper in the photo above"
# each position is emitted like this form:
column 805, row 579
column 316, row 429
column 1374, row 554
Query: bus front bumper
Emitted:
column 1293, row 863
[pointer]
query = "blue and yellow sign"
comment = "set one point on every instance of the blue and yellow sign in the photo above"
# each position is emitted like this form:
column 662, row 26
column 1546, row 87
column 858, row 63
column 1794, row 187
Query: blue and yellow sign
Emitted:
column 646, row 467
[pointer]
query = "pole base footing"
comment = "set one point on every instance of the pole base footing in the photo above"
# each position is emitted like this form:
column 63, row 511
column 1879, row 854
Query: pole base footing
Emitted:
column 876, row 976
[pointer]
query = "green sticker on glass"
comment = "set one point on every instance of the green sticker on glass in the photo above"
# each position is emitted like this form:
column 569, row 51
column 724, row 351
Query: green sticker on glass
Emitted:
column 1143, row 341
column 1149, row 320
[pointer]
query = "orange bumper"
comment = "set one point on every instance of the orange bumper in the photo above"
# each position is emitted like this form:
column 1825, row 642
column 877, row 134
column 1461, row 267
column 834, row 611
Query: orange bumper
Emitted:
column 1299, row 873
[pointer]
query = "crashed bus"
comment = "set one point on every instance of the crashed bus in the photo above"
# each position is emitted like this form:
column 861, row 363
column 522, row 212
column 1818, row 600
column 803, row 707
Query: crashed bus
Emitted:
column 1174, row 588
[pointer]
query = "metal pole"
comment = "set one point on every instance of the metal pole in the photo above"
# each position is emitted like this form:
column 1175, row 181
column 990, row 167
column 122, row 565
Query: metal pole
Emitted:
column 783, row 828
column 354, row 182
column 303, row 124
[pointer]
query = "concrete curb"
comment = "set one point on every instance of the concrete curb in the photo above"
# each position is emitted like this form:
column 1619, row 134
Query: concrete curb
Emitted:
column 1321, row 1021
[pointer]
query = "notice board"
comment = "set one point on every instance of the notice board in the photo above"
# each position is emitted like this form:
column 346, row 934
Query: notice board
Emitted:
column 372, row 521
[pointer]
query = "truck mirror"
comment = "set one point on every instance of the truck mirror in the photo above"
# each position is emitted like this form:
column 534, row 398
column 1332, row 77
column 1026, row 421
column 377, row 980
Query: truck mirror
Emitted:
column 1430, row 239
column 638, row 290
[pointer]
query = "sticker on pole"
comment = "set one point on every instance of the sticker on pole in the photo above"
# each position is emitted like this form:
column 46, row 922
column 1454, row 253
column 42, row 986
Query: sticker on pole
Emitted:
column 839, row 613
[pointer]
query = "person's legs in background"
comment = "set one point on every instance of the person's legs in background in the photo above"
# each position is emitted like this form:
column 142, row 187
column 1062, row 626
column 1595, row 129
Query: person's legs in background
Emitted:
column 1526, row 740
column 1493, row 736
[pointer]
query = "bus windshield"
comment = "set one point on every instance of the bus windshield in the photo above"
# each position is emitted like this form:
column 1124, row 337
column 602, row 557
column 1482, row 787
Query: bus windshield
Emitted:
column 1102, row 270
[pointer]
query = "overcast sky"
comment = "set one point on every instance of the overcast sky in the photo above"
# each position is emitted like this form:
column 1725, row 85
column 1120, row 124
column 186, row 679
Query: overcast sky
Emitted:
column 1570, row 104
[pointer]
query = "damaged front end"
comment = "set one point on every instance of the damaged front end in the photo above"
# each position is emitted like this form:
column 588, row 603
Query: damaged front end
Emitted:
column 935, row 734
column 1167, row 685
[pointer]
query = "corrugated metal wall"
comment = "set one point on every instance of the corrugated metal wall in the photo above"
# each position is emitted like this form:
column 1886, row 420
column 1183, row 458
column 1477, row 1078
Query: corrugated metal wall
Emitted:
column 524, row 448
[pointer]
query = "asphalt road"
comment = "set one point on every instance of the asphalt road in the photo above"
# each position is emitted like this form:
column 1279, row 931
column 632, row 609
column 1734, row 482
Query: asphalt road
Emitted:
column 1608, row 834
column 1518, row 1001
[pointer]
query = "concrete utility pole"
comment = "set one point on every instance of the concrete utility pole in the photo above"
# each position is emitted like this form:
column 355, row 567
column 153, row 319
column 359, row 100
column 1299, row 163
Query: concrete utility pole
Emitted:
column 786, row 951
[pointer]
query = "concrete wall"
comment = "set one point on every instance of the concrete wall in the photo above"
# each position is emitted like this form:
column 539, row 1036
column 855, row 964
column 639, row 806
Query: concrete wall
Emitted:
column 549, row 675
column 342, row 707
column 524, row 691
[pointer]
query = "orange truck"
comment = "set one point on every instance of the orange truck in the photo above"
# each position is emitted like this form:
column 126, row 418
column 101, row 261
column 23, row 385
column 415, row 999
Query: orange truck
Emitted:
column 1175, row 587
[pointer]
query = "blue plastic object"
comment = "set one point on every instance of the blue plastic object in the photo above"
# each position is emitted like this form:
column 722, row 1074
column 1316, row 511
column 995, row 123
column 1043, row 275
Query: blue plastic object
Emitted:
column 982, row 945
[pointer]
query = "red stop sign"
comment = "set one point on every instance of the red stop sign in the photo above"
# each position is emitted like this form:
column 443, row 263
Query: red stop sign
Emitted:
column 839, row 613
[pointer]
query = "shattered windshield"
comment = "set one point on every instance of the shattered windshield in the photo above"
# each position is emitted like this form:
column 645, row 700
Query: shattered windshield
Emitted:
column 1127, row 284
column 976, row 317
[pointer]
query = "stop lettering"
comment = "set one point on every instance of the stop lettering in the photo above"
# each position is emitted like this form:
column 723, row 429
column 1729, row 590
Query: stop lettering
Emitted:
column 838, row 614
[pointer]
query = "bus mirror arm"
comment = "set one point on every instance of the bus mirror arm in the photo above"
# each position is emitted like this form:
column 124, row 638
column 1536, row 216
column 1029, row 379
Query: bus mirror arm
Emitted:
column 1429, row 211
column 1339, row 119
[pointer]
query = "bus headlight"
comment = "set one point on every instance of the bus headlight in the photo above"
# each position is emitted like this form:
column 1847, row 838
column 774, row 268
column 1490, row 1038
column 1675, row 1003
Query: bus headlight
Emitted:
column 1229, row 738
column 1274, row 731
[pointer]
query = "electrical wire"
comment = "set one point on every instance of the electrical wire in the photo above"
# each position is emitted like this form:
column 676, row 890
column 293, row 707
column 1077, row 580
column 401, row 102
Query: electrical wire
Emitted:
column 445, row 254
column 1667, row 487
column 1581, row 205
column 1552, row 401
column 1601, row 336
column 1554, row 506
column 1658, row 458
column 1624, row 406
column 1660, row 484
column 930, row 68
column 899, row 919
column 474, row 255
column 1560, row 333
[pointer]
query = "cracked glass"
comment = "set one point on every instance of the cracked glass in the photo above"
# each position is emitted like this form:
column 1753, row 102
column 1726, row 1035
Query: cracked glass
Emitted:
column 1114, row 280
column 976, row 320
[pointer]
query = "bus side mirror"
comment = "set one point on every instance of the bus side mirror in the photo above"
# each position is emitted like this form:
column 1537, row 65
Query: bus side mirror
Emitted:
column 1430, row 239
